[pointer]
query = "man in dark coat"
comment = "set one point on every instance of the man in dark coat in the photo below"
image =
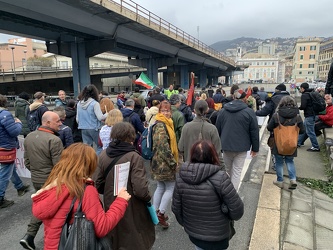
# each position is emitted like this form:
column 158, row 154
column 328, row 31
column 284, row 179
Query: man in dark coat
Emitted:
column 309, row 118
column 239, row 132
column 329, row 83
column 272, row 103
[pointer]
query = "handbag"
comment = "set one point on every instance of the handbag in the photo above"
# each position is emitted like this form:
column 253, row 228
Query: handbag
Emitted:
column 225, row 211
column 271, row 141
column 81, row 234
column 7, row 155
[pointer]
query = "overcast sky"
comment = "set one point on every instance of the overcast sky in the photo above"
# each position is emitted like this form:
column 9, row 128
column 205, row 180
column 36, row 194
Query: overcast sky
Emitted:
column 220, row 20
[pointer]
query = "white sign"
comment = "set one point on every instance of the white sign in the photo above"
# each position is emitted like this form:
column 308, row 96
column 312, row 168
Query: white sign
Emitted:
column 20, row 167
column 121, row 172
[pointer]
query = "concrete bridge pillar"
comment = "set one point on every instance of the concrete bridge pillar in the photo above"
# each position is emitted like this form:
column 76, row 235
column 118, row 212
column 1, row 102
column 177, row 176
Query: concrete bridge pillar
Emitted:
column 81, row 72
column 184, row 77
column 210, row 81
column 152, row 70
column 203, row 78
column 215, row 80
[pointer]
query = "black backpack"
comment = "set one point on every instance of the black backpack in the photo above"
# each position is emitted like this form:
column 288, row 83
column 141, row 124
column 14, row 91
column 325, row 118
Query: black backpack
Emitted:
column 318, row 102
column 32, row 119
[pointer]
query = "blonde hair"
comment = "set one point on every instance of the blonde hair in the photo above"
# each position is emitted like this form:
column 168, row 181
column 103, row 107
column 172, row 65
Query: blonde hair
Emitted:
column 203, row 96
column 114, row 116
column 72, row 170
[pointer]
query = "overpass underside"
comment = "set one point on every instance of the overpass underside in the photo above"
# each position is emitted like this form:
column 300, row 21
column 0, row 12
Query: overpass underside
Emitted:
column 81, row 29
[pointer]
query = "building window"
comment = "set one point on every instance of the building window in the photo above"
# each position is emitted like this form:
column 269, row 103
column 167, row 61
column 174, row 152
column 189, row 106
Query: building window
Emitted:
column 312, row 56
column 311, row 65
column 301, row 66
column 313, row 47
column 300, row 72
column 272, row 63
column 265, row 63
column 257, row 63
column 272, row 74
column 302, row 48
column 301, row 57
column 34, row 51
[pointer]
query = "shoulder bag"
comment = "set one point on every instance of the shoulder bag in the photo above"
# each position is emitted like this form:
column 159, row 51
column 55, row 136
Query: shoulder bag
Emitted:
column 81, row 234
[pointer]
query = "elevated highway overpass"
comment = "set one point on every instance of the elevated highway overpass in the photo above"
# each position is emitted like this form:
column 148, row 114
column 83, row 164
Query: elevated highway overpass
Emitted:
column 81, row 29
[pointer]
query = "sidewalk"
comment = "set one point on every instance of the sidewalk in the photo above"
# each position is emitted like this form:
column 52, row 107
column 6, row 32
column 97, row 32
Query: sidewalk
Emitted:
column 294, row 220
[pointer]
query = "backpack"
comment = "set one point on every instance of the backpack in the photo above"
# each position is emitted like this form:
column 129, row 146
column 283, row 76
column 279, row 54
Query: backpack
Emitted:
column 33, row 121
column 318, row 102
column 286, row 138
column 145, row 142
column 129, row 118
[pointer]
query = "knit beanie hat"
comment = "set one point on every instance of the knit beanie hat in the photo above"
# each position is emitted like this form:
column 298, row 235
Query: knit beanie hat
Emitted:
column 281, row 87
column 239, row 94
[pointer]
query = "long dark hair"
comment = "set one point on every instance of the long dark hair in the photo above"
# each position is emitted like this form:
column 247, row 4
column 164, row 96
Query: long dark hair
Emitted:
column 203, row 151
column 89, row 91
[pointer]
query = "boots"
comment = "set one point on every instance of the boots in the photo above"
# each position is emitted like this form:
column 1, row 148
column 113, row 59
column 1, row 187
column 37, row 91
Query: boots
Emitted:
column 163, row 220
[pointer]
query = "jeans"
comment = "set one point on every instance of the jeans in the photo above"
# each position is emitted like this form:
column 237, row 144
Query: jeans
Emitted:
column 309, row 124
column 8, row 172
column 234, row 163
column 90, row 137
column 163, row 195
column 289, row 160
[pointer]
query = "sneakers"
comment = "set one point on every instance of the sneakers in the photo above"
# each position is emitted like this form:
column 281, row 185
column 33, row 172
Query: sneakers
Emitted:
column 162, row 221
column 28, row 242
column 23, row 190
column 312, row 149
column 278, row 184
column 292, row 185
column 5, row 203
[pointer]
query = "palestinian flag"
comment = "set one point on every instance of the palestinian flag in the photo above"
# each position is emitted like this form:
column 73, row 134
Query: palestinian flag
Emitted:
column 144, row 81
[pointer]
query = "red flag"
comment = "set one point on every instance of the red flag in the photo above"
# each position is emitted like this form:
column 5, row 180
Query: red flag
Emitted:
column 190, row 93
column 248, row 92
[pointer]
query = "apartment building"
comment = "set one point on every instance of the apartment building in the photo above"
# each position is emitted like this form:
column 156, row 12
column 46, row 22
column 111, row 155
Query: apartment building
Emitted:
column 325, row 58
column 305, row 60
column 262, row 68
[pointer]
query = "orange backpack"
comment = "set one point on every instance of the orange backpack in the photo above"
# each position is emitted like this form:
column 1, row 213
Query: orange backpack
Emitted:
column 286, row 138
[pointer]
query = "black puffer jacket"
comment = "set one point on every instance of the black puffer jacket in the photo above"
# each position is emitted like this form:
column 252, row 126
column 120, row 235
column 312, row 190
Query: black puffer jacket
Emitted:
column 306, row 103
column 196, row 205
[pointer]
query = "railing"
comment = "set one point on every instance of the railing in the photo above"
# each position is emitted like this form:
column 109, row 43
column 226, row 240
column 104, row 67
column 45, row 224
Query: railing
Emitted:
column 141, row 12
column 22, row 73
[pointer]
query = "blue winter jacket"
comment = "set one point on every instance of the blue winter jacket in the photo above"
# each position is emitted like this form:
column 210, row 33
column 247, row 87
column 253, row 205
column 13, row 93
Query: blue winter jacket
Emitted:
column 135, row 119
column 9, row 130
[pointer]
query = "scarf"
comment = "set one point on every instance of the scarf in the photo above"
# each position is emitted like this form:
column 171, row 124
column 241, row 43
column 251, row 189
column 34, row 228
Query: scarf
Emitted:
column 117, row 148
column 171, row 131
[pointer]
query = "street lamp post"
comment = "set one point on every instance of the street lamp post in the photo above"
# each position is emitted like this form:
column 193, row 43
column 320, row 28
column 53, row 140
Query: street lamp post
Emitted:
column 12, row 48
column 25, row 59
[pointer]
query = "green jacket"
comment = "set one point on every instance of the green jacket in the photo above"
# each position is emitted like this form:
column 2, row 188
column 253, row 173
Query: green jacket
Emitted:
column 169, row 93
column 178, row 121
column 140, row 99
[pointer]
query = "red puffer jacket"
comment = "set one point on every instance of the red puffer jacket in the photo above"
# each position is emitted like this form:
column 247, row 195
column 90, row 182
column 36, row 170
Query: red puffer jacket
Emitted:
column 52, row 211
column 328, row 117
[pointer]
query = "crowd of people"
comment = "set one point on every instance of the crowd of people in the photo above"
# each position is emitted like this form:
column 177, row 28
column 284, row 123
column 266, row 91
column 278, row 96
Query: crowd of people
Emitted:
column 199, row 152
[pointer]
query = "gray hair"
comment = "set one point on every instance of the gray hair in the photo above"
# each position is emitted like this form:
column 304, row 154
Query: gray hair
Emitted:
column 174, row 99
column 129, row 103
column 201, row 107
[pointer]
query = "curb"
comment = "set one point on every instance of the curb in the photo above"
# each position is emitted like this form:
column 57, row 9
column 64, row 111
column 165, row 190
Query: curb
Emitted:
column 266, row 228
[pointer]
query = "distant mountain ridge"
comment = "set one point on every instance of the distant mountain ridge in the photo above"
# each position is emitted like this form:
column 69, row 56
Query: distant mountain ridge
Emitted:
column 284, row 45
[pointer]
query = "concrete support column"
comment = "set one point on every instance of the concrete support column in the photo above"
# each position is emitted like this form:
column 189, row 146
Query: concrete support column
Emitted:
column 215, row 80
column 210, row 81
column 227, row 80
column 152, row 71
column 203, row 78
column 80, row 64
column 165, row 79
column 184, row 77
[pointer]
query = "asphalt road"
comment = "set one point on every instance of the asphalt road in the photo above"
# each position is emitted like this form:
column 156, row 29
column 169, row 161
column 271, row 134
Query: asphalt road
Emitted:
column 14, row 220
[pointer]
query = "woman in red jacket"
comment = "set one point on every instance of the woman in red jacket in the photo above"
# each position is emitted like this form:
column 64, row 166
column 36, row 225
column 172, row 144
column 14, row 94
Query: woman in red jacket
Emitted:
column 70, row 178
